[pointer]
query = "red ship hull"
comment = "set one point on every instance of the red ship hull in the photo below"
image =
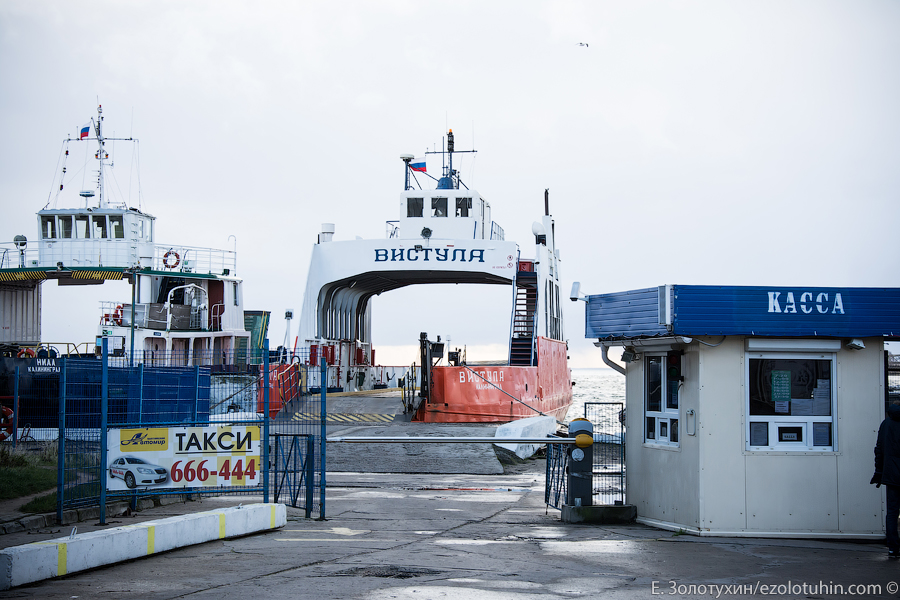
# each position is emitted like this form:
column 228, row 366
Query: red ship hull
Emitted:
column 501, row 393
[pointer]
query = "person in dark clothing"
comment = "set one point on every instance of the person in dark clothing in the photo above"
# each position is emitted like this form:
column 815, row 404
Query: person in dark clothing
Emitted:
column 887, row 472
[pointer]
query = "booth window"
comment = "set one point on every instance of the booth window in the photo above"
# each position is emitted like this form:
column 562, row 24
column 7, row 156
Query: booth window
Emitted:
column 790, row 402
column 414, row 207
column 662, row 388
column 462, row 207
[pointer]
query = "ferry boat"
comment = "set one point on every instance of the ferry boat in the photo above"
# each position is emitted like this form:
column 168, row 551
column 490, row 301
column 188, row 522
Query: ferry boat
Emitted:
column 184, row 306
column 442, row 235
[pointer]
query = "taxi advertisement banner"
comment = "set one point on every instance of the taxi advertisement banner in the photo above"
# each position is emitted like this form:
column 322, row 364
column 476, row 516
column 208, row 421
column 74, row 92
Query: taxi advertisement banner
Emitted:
column 178, row 457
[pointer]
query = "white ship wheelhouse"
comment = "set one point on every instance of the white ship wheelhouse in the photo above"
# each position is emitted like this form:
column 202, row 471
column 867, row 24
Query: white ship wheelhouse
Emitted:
column 184, row 305
column 444, row 214
column 440, row 236
column 95, row 237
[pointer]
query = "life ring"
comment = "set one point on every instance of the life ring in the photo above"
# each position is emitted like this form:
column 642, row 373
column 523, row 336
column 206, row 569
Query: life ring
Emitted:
column 117, row 315
column 25, row 353
column 168, row 254
column 6, row 423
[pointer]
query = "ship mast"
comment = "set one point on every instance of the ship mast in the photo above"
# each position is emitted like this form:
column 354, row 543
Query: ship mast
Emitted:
column 101, row 155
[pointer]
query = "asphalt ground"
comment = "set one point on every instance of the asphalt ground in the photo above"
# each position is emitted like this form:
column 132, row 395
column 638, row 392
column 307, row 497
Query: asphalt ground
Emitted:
column 420, row 536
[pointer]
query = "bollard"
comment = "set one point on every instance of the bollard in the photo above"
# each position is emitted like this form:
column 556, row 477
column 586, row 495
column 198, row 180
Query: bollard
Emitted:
column 580, row 464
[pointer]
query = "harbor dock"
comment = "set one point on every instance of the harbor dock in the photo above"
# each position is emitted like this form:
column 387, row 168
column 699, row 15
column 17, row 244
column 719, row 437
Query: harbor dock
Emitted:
column 394, row 535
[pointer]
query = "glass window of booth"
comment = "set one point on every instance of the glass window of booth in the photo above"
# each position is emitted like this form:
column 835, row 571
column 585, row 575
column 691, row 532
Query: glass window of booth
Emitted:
column 790, row 402
column 662, row 390
column 462, row 207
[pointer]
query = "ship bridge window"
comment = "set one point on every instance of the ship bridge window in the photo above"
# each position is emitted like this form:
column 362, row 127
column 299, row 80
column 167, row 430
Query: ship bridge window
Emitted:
column 414, row 207
column 117, row 226
column 65, row 227
column 438, row 207
column 462, row 207
column 82, row 230
column 98, row 226
column 48, row 228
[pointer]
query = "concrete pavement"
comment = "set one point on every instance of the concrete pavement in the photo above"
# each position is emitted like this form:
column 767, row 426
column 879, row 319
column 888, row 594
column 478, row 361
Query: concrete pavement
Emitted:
column 469, row 536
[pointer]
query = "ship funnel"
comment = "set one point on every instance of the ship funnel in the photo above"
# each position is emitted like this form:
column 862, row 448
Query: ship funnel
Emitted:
column 327, row 232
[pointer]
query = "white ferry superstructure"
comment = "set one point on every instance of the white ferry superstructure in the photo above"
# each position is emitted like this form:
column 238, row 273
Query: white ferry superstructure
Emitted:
column 443, row 235
column 185, row 304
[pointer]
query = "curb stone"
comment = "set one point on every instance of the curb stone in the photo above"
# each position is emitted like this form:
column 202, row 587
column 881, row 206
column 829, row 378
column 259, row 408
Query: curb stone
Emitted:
column 113, row 509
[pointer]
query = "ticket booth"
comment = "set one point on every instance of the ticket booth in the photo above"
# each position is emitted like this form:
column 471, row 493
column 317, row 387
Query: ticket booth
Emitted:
column 752, row 411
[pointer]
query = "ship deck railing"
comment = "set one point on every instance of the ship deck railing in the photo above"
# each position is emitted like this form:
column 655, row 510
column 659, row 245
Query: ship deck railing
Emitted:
column 155, row 316
column 115, row 254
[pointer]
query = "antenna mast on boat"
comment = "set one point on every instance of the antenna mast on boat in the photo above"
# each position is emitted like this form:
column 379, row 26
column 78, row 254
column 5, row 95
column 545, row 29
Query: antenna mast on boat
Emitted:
column 102, row 155
column 450, row 179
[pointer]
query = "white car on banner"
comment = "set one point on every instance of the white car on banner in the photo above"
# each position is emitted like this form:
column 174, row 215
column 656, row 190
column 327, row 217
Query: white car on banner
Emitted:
column 136, row 472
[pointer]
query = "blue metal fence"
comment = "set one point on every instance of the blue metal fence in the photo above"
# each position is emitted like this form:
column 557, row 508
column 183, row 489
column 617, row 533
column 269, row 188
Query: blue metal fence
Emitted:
column 79, row 403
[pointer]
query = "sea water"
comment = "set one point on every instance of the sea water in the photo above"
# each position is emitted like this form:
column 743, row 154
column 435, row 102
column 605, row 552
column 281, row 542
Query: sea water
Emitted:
column 597, row 385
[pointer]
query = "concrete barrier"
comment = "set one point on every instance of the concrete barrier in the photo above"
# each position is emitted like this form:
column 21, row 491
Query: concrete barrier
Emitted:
column 42, row 560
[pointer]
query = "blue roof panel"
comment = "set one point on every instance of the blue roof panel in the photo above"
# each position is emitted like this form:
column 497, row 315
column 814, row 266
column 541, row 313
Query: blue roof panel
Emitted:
column 747, row 310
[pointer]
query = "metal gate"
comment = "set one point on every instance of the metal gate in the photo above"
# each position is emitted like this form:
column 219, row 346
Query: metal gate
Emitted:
column 608, row 419
column 555, row 488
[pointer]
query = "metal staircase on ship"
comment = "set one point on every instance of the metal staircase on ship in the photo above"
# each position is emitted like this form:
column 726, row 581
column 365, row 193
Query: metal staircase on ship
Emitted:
column 522, row 342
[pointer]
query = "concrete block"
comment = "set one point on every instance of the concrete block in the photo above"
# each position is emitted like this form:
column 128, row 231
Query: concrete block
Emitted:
column 13, row 527
column 88, row 513
column 145, row 504
column 166, row 500
column 41, row 560
column 70, row 516
column 117, row 509
column 600, row 515
column 537, row 427
column 33, row 522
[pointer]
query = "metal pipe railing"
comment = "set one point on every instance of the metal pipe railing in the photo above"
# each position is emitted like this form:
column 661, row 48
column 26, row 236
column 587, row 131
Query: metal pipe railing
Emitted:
column 451, row 440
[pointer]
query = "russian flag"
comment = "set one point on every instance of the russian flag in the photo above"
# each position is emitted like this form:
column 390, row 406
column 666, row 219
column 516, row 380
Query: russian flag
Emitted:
column 85, row 131
column 418, row 164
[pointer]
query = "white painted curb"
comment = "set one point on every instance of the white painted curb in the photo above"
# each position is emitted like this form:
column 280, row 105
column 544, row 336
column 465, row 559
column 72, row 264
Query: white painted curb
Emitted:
column 42, row 560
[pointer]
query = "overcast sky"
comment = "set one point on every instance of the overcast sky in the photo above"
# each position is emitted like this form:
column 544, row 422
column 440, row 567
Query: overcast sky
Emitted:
column 734, row 143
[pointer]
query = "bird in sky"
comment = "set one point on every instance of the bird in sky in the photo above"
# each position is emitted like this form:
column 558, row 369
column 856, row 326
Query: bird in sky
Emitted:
column 582, row 44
